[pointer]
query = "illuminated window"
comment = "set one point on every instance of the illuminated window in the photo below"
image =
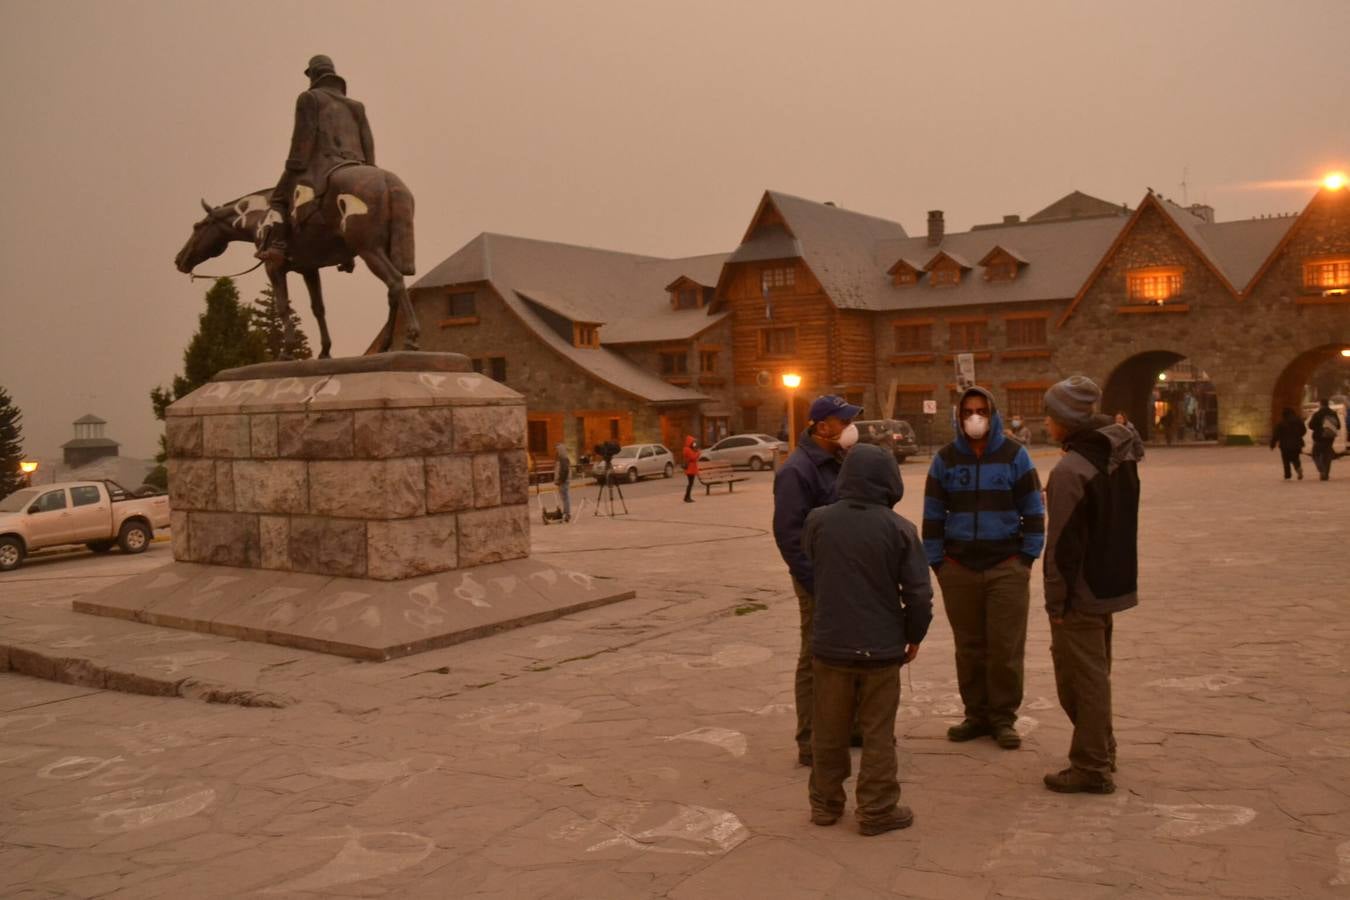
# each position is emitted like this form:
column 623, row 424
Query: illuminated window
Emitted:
column 968, row 335
column 913, row 337
column 781, row 279
column 1026, row 332
column 674, row 362
column 777, row 341
column 1154, row 285
column 1326, row 273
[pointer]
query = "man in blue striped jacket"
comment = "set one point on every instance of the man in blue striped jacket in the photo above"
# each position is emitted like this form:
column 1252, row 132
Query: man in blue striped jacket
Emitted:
column 983, row 528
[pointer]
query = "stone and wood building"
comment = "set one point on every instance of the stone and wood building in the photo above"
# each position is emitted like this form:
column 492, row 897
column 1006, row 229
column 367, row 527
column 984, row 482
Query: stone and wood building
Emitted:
column 609, row 345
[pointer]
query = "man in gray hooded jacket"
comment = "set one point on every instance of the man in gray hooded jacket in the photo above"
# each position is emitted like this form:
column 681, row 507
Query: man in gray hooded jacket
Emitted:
column 1091, row 571
column 874, row 603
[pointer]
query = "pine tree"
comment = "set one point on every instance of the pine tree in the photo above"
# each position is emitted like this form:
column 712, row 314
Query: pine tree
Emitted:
column 225, row 339
column 11, row 445
column 266, row 320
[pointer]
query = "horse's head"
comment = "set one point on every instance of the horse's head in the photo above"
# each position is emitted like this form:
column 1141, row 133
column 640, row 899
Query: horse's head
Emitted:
column 209, row 239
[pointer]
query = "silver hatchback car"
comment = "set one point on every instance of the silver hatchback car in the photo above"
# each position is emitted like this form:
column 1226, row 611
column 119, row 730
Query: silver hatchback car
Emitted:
column 758, row 451
column 636, row 461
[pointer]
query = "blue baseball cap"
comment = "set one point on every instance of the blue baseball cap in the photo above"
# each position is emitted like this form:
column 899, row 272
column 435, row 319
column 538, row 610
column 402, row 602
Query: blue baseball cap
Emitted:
column 829, row 405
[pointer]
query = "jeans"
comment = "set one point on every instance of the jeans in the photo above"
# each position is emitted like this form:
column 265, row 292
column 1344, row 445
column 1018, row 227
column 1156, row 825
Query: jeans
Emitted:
column 565, row 497
column 1322, row 455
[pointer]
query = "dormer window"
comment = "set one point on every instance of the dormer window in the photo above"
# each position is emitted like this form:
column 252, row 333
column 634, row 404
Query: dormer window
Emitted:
column 685, row 293
column 687, row 298
column 944, row 269
column 586, row 334
column 1156, row 284
column 903, row 273
column 1001, row 264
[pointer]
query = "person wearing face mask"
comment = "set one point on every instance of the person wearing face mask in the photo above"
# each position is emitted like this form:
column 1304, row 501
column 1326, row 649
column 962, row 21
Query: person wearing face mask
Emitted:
column 805, row 481
column 1019, row 431
column 983, row 528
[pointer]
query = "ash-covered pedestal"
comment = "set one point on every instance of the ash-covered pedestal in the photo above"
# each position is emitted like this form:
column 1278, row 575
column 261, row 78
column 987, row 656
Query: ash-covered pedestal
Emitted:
column 371, row 507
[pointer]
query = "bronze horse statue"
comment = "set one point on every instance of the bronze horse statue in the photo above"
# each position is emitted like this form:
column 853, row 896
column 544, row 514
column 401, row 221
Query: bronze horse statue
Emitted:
column 362, row 211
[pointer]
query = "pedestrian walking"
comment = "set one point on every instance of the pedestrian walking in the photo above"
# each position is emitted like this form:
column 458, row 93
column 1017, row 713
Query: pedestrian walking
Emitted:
column 807, row 479
column 983, row 527
column 690, row 466
column 562, row 477
column 1091, row 572
column 874, row 603
column 1324, row 425
column 1138, row 443
column 1288, row 436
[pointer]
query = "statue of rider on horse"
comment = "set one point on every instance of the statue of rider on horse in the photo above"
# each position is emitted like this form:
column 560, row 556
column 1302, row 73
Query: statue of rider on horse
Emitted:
column 330, row 206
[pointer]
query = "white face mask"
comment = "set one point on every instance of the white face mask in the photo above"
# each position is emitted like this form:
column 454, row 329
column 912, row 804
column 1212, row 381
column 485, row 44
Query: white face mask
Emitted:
column 849, row 436
column 976, row 427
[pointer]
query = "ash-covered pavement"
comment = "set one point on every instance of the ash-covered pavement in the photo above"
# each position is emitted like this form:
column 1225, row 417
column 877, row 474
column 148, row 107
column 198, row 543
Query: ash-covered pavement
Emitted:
column 645, row 749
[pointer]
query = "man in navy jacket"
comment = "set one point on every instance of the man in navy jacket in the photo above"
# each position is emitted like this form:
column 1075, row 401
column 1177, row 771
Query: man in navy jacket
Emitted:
column 805, row 481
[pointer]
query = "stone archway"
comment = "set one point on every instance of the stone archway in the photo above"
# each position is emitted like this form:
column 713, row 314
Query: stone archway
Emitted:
column 1135, row 384
column 1288, row 390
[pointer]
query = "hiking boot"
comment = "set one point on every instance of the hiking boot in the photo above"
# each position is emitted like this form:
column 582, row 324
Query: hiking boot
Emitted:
column 804, row 758
column 1073, row 781
column 823, row 819
column 968, row 730
column 1007, row 737
column 900, row 817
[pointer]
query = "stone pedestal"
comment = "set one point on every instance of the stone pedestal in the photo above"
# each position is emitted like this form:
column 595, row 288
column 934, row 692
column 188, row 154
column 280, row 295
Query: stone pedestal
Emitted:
column 380, row 468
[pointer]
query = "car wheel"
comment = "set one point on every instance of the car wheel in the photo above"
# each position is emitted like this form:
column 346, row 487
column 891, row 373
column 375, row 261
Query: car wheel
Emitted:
column 633, row 475
column 101, row 546
column 11, row 553
column 669, row 470
column 756, row 464
column 134, row 538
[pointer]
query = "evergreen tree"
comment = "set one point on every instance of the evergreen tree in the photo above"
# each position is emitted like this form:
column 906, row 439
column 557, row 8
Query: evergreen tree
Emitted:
column 11, row 445
column 266, row 320
column 225, row 339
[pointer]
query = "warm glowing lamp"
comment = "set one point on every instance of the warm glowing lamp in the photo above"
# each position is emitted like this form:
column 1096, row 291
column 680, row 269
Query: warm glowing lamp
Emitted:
column 1162, row 376
column 1345, row 351
column 28, row 467
column 792, row 381
column 1334, row 181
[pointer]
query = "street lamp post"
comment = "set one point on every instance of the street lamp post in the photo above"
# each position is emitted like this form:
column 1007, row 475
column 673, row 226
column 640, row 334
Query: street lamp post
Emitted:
column 792, row 381
column 28, row 467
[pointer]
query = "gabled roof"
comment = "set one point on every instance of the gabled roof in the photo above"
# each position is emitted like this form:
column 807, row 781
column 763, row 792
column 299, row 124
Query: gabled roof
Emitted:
column 89, row 419
column 947, row 254
column 1323, row 195
column 1239, row 248
column 1078, row 205
column 839, row 246
column 623, row 292
column 1059, row 256
column 1006, row 251
column 905, row 261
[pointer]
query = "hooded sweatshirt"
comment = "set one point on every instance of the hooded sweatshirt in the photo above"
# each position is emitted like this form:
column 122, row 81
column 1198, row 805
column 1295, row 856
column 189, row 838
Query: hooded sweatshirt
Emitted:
column 1289, row 433
column 690, row 455
column 982, row 510
column 873, row 595
column 1091, row 552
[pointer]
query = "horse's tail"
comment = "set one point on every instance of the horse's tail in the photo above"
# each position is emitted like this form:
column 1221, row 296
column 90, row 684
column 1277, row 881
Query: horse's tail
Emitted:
column 401, row 247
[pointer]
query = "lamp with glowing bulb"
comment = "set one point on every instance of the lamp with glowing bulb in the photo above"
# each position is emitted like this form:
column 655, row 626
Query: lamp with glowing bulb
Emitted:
column 28, row 467
column 792, row 381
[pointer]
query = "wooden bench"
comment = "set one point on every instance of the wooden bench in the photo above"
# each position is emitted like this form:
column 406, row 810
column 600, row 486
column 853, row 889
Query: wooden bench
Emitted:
column 710, row 473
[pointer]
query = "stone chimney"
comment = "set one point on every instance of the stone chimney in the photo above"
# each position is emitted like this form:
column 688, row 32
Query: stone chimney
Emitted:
column 1012, row 220
column 1202, row 211
column 935, row 227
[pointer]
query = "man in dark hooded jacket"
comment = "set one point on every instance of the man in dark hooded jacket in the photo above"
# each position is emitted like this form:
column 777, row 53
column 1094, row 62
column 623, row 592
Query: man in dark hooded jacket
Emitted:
column 1288, row 437
column 983, row 527
column 874, row 603
column 1091, row 572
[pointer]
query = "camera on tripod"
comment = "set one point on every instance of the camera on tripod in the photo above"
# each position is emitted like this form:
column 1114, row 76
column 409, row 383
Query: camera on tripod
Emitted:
column 606, row 452
column 605, row 478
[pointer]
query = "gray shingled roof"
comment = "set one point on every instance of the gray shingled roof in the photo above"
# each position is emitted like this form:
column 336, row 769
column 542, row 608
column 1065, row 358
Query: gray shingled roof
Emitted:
column 1236, row 249
column 1077, row 205
column 624, row 292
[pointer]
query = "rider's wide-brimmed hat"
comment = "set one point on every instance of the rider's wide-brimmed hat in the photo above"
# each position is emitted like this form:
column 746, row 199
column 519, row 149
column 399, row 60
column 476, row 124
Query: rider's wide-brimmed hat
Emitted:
column 320, row 66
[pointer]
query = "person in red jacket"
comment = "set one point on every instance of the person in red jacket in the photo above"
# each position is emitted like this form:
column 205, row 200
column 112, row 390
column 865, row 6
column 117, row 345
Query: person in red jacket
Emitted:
column 690, row 465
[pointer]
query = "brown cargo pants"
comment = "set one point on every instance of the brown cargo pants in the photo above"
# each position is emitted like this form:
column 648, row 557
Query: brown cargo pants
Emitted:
column 988, row 614
column 806, row 605
column 1081, row 649
column 872, row 696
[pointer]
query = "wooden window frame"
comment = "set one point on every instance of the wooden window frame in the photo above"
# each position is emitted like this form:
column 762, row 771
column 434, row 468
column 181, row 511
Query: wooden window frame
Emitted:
column 1339, row 268
column 918, row 346
column 966, row 322
column 704, row 355
column 777, row 279
column 945, row 275
column 686, row 291
column 765, row 331
column 1155, row 285
column 586, row 334
column 673, row 363
column 1011, row 322
column 452, row 313
column 904, row 276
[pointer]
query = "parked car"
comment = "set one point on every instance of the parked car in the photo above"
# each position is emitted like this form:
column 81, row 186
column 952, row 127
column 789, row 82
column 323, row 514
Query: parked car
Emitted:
column 895, row 435
column 634, row 461
column 98, row 514
column 758, row 451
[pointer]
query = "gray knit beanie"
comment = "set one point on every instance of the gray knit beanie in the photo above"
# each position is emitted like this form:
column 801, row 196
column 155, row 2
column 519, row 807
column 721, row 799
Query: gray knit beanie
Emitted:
column 1071, row 402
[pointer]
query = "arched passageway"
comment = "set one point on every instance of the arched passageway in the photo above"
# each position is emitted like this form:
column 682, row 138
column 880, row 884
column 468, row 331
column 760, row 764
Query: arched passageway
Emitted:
column 1166, row 395
column 1320, row 372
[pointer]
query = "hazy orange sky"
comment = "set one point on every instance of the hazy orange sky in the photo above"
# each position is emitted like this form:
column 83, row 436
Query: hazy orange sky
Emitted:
column 641, row 126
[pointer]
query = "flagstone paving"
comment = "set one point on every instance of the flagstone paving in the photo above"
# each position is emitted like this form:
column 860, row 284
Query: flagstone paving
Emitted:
column 645, row 749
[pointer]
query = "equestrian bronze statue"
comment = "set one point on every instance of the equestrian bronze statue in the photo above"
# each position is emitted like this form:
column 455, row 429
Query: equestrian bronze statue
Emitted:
column 331, row 206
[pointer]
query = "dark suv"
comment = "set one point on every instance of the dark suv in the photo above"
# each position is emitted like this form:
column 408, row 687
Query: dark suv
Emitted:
column 894, row 435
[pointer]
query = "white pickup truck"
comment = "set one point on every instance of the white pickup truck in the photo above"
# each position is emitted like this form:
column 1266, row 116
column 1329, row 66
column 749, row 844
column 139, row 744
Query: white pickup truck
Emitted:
column 97, row 514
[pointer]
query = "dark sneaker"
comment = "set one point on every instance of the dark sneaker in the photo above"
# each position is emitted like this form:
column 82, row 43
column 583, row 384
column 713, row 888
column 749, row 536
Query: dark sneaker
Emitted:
column 900, row 817
column 824, row 819
column 1072, row 781
column 968, row 730
column 804, row 758
column 1007, row 737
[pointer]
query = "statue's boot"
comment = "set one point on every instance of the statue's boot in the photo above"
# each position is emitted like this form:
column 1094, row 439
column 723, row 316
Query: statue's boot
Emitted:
column 274, row 244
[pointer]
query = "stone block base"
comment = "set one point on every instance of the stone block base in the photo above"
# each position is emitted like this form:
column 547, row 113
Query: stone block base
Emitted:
column 355, row 617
